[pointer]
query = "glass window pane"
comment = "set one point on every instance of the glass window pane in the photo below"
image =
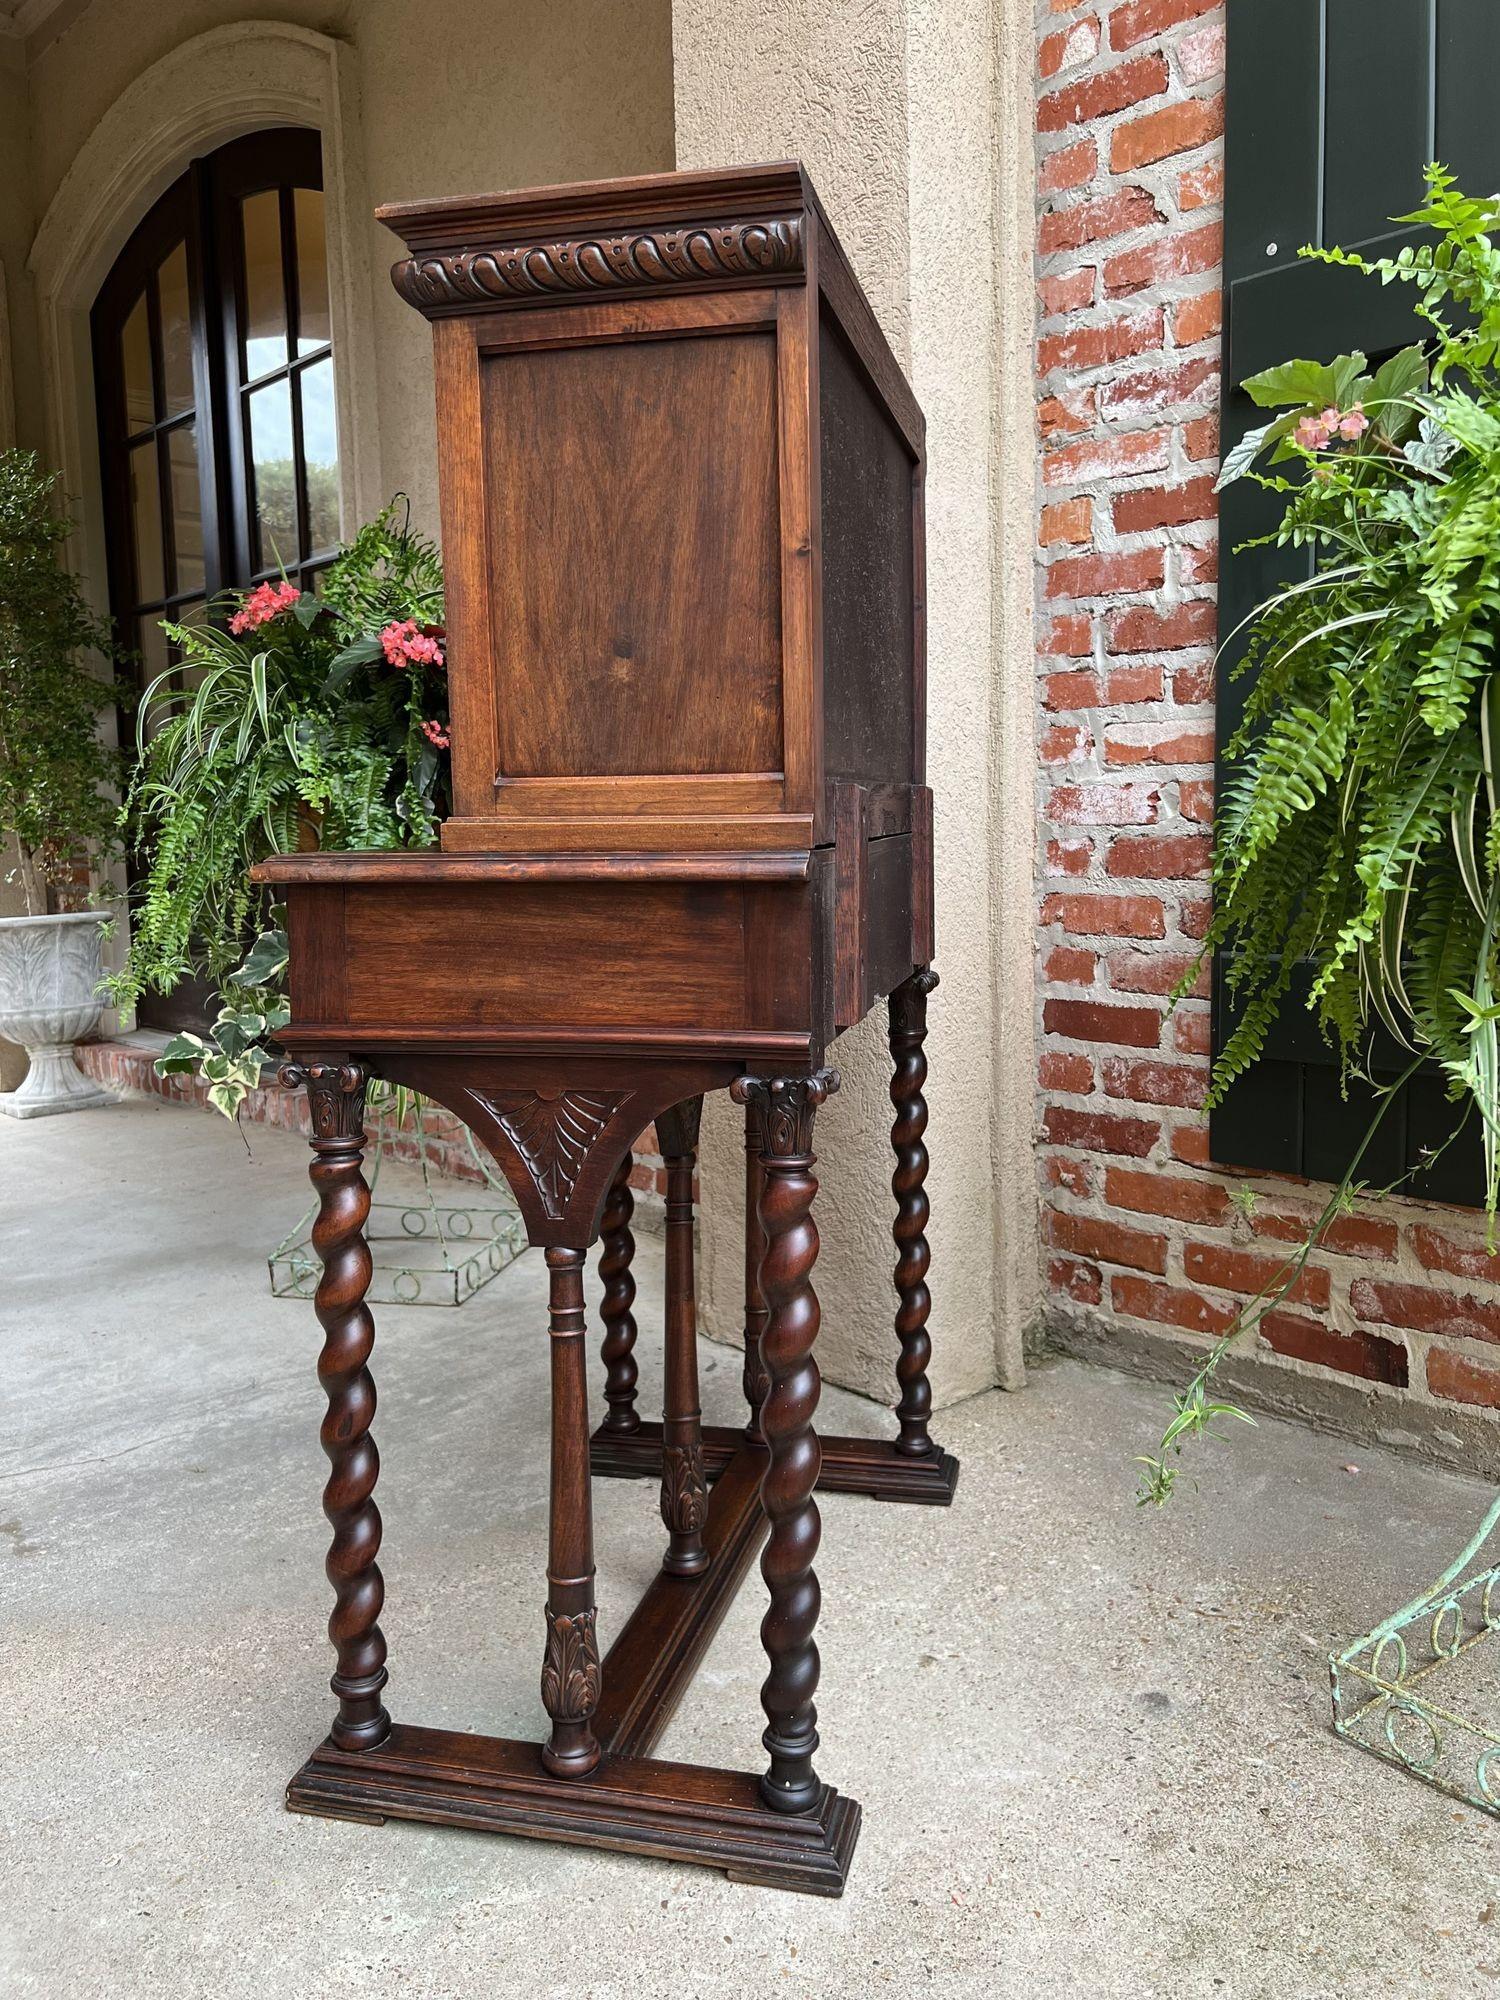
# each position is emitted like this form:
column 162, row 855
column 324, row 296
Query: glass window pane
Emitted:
column 145, row 514
column 187, row 507
column 176, row 332
column 265, row 294
column 135, row 356
column 320, row 450
column 274, row 481
column 313, row 326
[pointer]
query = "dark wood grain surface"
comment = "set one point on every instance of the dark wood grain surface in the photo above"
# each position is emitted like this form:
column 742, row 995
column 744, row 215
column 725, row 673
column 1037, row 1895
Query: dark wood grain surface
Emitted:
column 681, row 478
column 630, row 488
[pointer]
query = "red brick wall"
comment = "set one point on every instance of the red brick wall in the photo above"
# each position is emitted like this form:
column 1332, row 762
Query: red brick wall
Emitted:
column 1138, row 1229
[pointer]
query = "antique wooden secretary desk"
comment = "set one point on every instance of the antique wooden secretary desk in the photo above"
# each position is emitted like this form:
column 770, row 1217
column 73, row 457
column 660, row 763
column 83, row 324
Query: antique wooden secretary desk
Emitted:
column 682, row 516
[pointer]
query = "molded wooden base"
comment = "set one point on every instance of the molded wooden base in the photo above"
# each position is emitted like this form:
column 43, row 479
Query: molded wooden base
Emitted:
column 681, row 1812
column 656, row 1655
column 871, row 1466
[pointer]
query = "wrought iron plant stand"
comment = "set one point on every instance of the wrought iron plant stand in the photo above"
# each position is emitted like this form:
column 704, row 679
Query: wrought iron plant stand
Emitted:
column 681, row 482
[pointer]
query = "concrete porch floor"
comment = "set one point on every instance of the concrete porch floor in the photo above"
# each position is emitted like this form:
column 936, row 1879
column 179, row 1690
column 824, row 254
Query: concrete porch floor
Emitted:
column 1091, row 1743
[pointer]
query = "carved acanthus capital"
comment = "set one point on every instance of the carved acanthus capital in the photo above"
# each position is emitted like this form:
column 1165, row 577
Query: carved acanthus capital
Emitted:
column 570, row 1670
column 643, row 260
column 684, row 1489
column 786, row 1107
column 908, row 1003
column 335, row 1096
column 677, row 1130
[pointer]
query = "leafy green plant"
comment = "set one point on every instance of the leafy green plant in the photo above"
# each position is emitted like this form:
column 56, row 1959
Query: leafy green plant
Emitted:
column 307, row 721
column 1358, row 833
column 58, row 778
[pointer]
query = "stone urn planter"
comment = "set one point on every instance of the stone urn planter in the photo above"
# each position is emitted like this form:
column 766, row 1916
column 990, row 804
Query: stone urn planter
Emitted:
column 49, row 969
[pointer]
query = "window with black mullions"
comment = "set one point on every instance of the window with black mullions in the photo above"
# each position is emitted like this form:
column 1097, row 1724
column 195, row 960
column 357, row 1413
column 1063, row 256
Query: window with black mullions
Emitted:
column 282, row 363
column 153, row 396
column 213, row 368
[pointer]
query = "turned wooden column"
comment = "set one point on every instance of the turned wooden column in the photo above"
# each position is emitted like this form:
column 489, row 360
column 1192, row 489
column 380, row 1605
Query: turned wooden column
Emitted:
column 908, row 1032
column 754, row 1378
column 787, row 1107
column 570, row 1668
column 616, row 1254
column 336, row 1100
column 684, row 1489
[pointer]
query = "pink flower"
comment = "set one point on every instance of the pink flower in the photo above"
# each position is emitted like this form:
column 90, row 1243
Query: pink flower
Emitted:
column 405, row 643
column 1354, row 423
column 1313, row 433
column 437, row 735
column 265, row 602
column 1310, row 433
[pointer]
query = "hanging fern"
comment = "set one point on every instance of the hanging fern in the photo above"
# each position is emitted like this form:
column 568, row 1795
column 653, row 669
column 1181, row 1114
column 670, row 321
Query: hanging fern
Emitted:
column 1358, row 832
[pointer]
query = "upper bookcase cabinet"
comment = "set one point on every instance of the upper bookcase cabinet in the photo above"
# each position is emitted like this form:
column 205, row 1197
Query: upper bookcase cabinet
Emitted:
column 681, row 478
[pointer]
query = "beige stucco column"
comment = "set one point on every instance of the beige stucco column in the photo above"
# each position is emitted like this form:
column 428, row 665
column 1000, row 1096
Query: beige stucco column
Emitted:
column 914, row 118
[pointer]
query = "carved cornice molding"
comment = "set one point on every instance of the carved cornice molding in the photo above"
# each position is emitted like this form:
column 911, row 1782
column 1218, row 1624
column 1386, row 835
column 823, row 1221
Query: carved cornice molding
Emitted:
column 644, row 260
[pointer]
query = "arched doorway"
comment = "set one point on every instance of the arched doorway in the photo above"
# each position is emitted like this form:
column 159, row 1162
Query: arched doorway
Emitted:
column 213, row 371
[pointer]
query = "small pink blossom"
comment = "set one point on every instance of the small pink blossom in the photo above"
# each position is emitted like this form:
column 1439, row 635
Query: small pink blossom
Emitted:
column 265, row 602
column 1354, row 423
column 405, row 643
column 1312, row 433
column 437, row 735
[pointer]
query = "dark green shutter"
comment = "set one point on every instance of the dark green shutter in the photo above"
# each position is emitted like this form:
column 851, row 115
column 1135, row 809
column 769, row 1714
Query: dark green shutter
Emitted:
column 1333, row 109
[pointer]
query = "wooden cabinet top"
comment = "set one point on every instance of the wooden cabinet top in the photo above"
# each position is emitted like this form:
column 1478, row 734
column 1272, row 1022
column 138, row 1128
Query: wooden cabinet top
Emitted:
column 681, row 478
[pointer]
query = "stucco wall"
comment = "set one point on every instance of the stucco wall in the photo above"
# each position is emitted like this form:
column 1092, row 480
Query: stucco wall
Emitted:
column 904, row 115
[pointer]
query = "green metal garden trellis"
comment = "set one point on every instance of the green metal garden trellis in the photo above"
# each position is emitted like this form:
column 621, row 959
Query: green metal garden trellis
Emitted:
column 451, row 1249
column 1386, row 1684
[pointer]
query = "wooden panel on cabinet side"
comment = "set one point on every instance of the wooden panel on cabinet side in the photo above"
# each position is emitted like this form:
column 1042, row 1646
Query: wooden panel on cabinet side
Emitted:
column 801, row 557
column 840, row 292
column 923, row 923
column 821, row 958
column 319, row 954
column 888, row 951
column 628, row 955
column 868, row 630
column 851, row 900
column 632, row 833
column 413, row 866
column 471, row 671
column 634, row 557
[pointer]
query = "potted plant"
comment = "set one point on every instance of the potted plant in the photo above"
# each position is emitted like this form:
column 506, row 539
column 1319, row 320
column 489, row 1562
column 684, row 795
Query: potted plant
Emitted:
column 316, row 720
column 1357, row 832
column 57, row 777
